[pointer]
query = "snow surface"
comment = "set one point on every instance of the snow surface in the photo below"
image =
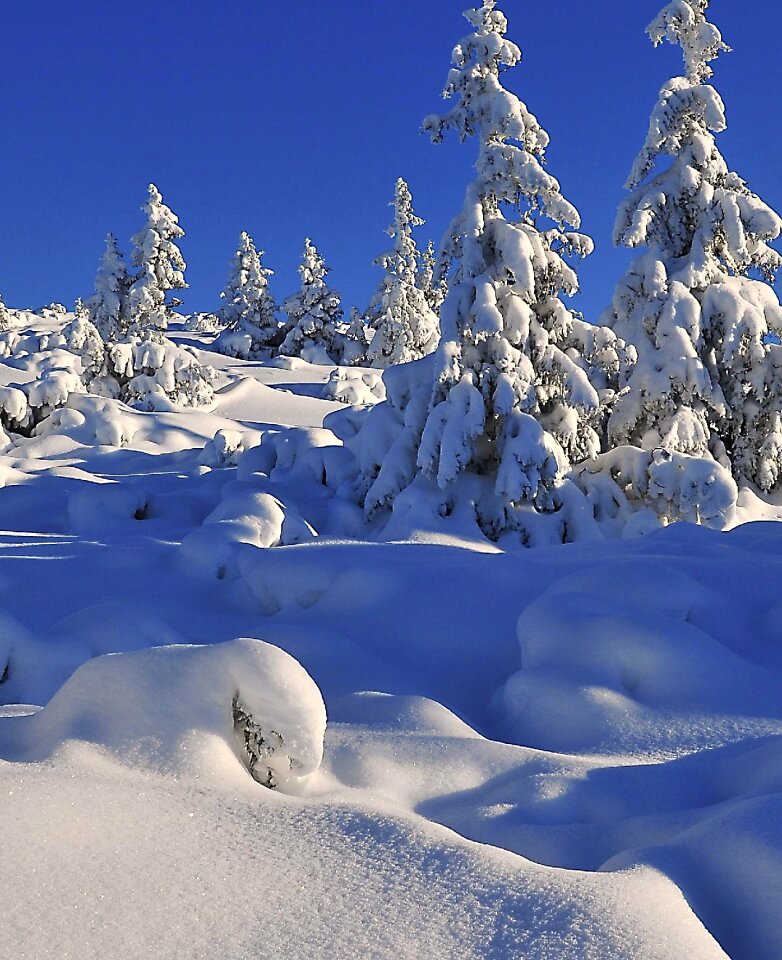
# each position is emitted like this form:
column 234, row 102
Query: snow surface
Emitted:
column 573, row 751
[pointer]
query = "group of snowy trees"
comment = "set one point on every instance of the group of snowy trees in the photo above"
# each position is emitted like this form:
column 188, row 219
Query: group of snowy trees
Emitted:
column 400, row 324
column 114, row 345
column 547, row 425
column 137, row 303
column 120, row 331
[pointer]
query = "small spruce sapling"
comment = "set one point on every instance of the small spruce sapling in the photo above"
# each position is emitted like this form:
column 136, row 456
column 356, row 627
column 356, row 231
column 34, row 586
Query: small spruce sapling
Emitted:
column 432, row 278
column 109, row 307
column 248, row 307
column 313, row 314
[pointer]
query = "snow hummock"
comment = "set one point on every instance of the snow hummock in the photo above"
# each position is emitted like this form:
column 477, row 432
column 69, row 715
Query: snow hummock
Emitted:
column 167, row 708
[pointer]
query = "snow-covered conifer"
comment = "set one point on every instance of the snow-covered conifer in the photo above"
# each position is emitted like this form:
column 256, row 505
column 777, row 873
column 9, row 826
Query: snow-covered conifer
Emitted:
column 403, row 325
column 313, row 313
column 248, row 307
column 693, row 304
column 160, row 266
column 355, row 340
column 83, row 338
column 510, row 398
column 432, row 278
column 109, row 307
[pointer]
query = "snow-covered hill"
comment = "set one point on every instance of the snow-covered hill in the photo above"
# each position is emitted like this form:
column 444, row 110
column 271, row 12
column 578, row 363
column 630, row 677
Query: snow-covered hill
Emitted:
column 569, row 752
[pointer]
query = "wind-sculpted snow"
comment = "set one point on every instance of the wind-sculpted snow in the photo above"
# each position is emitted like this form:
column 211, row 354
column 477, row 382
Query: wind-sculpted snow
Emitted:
column 238, row 871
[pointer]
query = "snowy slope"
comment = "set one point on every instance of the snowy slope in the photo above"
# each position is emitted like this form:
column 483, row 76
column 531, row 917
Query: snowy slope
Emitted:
column 567, row 752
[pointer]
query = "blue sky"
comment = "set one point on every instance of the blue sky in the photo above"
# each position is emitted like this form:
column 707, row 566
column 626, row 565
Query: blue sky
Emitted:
column 293, row 119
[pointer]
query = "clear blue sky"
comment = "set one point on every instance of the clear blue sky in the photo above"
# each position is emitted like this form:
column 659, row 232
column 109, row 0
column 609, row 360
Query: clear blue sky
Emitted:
column 295, row 118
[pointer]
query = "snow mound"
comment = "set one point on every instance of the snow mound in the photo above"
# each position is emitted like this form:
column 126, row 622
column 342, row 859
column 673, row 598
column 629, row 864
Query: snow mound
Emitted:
column 245, row 516
column 355, row 387
column 249, row 401
column 234, row 343
column 95, row 506
column 178, row 709
column 628, row 660
column 225, row 449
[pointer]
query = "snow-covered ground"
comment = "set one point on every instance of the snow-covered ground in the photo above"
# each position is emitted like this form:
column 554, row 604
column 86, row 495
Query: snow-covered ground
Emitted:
column 569, row 752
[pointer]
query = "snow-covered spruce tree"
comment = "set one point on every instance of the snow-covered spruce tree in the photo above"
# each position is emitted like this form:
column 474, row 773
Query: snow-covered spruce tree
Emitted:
column 432, row 278
column 707, row 375
column 109, row 307
column 248, row 310
column 314, row 313
column 160, row 267
column 515, row 391
column 403, row 325
column 354, row 340
column 83, row 339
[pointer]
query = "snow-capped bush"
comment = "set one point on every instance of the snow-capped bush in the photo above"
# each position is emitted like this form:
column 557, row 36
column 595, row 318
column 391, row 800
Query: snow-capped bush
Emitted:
column 298, row 455
column 52, row 311
column 14, row 408
column 156, row 375
column 52, row 390
column 9, row 343
column 154, row 705
column 224, row 450
column 354, row 387
column 244, row 516
column 24, row 407
column 203, row 322
column 633, row 490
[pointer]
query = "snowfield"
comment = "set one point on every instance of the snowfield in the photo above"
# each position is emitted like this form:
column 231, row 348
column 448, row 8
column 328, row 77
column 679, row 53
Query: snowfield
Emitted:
column 573, row 751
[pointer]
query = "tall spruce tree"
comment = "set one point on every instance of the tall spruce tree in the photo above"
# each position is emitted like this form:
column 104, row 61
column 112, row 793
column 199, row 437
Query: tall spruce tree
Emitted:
column 708, row 374
column 514, row 392
column 402, row 323
column 160, row 267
